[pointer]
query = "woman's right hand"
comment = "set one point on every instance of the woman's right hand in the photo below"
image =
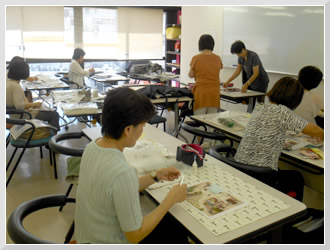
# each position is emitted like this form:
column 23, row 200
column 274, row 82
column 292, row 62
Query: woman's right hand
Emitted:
column 178, row 193
column 225, row 85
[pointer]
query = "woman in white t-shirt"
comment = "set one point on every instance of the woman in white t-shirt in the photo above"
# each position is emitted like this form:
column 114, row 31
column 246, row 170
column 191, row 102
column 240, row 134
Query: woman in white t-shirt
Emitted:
column 311, row 103
column 76, row 71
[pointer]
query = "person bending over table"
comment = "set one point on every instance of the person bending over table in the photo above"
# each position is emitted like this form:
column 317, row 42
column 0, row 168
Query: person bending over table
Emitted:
column 254, row 76
column 107, row 201
column 265, row 132
column 205, row 68
column 311, row 103
column 16, row 98
column 76, row 71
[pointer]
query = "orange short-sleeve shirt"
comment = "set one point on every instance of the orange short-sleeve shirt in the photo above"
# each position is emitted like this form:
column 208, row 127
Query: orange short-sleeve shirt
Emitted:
column 206, row 90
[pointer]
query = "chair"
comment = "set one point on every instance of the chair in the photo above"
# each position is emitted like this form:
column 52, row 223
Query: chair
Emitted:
column 191, row 127
column 10, row 110
column 156, row 119
column 58, row 147
column 26, row 143
column 70, row 83
column 263, row 174
column 15, row 227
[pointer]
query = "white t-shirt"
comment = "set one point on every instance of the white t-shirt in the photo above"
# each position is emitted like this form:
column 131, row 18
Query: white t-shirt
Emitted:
column 107, row 199
column 77, row 73
column 265, row 134
column 310, row 105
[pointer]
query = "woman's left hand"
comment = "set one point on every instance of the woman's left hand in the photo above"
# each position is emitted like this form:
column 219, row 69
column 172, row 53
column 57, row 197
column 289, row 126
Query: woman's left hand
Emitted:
column 168, row 174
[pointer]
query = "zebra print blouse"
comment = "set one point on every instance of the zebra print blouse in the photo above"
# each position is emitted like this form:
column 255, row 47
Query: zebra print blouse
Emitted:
column 265, row 134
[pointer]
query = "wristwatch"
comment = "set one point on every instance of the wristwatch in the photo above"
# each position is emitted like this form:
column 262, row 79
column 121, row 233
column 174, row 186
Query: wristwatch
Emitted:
column 153, row 174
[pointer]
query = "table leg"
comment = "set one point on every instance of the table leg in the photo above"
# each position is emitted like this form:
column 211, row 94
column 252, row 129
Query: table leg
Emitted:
column 250, row 105
column 176, row 131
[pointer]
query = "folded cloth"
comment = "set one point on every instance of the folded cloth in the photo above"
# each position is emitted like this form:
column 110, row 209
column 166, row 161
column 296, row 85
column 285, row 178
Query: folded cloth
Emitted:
column 73, row 166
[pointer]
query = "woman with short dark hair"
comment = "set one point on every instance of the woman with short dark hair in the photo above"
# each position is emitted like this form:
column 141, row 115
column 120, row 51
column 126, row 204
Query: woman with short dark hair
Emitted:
column 254, row 76
column 205, row 68
column 107, row 201
column 311, row 104
column 265, row 133
column 76, row 71
column 15, row 97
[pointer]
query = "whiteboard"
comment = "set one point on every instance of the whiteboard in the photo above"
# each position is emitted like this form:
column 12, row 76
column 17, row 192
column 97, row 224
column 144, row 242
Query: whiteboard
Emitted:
column 286, row 38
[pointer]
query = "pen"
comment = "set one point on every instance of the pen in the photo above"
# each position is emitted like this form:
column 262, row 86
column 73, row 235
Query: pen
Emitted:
column 182, row 180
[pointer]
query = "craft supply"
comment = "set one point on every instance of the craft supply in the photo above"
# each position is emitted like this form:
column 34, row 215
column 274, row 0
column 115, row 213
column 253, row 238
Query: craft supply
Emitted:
column 182, row 180
column 194, row 166
column 227, row 122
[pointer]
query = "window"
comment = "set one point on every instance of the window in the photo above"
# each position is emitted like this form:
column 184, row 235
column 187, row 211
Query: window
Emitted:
column 52, row 32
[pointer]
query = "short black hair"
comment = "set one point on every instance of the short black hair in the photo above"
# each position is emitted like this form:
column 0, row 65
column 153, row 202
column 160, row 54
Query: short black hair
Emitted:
column 18, row 70
column 206, row 42
column 15, row 59
column 124, row 107
column 237, row 47
column 77, row 53
column 310, row 77
column 287, row 91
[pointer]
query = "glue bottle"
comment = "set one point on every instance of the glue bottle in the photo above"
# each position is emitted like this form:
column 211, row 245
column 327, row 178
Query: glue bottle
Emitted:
column 194, row 166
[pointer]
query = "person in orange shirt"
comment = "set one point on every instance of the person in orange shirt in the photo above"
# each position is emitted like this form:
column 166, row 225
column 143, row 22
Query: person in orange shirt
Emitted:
column 205, row 68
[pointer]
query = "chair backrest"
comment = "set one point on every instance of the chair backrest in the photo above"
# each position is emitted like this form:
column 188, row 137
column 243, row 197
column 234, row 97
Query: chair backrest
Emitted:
column 54, row 144
column 264, row 174
column 191, row 127
column 15, row 227
column 67, row 81
column 11, row 110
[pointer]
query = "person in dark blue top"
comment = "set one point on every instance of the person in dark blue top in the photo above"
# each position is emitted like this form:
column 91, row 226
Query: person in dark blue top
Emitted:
column 254, row 76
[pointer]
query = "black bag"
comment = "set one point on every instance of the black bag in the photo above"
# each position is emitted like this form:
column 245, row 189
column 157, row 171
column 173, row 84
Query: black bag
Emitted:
column 164, row 91
column 188, row 153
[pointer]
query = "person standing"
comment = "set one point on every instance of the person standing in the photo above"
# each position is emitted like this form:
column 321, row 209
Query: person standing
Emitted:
column 76, row 71
column 205, row 68
column 254, row 76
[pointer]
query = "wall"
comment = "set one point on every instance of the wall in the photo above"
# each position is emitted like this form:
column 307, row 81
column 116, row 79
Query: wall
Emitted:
column 196, row 21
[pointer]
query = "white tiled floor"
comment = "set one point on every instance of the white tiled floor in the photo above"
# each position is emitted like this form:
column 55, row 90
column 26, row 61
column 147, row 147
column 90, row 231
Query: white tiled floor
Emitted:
column 35, row 177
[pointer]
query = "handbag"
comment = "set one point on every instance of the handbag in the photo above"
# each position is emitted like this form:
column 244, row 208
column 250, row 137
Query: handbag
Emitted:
column 188, row 153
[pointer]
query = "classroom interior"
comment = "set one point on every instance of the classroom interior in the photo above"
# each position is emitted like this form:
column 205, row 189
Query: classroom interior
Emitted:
column 139, row 32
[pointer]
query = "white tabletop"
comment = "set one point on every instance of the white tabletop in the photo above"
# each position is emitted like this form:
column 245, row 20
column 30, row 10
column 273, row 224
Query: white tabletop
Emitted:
column 242, row 118
column 293, row 207
column 45, row 82
column 107, row 77
column 248, row 93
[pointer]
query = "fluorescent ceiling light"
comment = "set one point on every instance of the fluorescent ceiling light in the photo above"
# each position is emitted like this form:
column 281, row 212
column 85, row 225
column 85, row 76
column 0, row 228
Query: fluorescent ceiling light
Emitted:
column 312, row 11
column 272, row 7
column 233, row 9
column 279, row 14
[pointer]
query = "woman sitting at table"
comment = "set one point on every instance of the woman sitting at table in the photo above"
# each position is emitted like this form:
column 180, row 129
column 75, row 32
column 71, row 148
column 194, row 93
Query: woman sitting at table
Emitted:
column 265, row 133
column 107, row 202
column 27, row 93
column 16, row 98
column 76, row 71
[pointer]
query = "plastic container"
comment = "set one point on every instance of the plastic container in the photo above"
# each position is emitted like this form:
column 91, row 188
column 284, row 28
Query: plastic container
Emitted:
column 226, row 122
